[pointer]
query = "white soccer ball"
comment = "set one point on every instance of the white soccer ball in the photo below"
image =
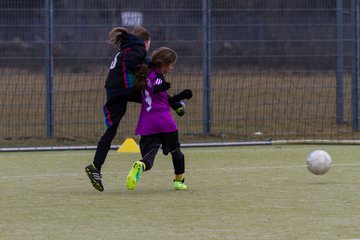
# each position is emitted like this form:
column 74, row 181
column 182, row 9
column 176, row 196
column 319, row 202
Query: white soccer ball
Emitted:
column 318, row 162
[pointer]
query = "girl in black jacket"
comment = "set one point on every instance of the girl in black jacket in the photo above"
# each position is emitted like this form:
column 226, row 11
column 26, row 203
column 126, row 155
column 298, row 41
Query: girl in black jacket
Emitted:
column 120, row 89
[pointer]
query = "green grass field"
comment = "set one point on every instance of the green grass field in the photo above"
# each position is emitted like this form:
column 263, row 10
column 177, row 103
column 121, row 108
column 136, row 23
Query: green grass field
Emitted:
column 252, row 192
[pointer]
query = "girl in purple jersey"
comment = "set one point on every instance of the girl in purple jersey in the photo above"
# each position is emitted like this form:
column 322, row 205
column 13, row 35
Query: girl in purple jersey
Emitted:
column 156, row 125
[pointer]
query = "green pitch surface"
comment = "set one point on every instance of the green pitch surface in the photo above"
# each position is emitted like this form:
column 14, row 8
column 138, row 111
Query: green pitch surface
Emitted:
column 259, row 192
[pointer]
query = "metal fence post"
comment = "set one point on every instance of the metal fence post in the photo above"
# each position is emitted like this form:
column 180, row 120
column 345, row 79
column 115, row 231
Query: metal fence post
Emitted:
column 49, row 68
column 355, row 64
column 339, row 63
column 357, row 33
column 206, row 6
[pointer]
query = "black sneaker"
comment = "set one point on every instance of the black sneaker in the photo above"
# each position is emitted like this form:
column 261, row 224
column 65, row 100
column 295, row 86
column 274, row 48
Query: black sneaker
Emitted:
column 95, row 177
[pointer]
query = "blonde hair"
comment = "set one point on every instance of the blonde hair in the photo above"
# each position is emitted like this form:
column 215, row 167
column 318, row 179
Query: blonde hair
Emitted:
column 163, row 56
column 141, row 32
column 117, row 34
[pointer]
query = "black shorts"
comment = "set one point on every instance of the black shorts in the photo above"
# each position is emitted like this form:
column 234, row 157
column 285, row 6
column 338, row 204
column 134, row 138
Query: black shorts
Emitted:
column 169, row 142
column 115, row 107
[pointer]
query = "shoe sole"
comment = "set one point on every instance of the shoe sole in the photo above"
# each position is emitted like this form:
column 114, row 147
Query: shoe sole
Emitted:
column 130, row 183
column 131, row 178
column 180, row 187
column 93, row 182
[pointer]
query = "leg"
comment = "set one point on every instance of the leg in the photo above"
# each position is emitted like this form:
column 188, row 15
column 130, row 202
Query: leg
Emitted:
column 93, row 170
column 179, row 163
column 114, row 110
column 170, row 143
column 104, row 145
column 179, row 167
column 149, row 146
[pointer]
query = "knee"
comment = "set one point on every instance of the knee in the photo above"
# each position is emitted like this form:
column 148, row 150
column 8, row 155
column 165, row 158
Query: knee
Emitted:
column 149, row 157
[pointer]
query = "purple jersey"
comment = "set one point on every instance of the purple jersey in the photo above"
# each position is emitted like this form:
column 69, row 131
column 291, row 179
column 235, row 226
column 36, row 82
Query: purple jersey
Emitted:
column 155, row 116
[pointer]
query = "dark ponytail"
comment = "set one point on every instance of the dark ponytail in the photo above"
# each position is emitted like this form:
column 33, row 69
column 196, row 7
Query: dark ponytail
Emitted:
column 141, row 76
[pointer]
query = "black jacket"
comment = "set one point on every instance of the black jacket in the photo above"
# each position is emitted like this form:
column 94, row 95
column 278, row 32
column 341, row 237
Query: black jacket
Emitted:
column 121, row 77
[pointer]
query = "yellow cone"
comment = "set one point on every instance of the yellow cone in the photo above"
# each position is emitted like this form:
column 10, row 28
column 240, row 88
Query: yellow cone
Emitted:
column 129, row 146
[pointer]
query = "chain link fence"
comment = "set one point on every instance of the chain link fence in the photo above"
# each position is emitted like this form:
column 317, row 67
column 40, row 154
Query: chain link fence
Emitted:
column 280, row 69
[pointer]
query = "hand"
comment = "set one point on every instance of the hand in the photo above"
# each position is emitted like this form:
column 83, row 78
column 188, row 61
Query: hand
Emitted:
column 179, row 108
column 163, row 87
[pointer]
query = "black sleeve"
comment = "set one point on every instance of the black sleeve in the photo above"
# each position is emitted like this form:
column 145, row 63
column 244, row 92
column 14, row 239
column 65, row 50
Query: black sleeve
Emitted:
column 160, row 85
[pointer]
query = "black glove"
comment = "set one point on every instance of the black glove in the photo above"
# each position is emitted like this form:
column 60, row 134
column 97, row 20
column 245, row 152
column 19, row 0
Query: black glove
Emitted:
column 185, row 94
column 161, row 87
column 179, row 107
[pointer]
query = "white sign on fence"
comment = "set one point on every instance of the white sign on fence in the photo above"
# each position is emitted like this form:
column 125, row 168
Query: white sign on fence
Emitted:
column 132, row 18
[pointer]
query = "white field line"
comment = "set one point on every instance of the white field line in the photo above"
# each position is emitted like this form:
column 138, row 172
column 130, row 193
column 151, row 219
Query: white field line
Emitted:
column 48, row 175
column 215, row 149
